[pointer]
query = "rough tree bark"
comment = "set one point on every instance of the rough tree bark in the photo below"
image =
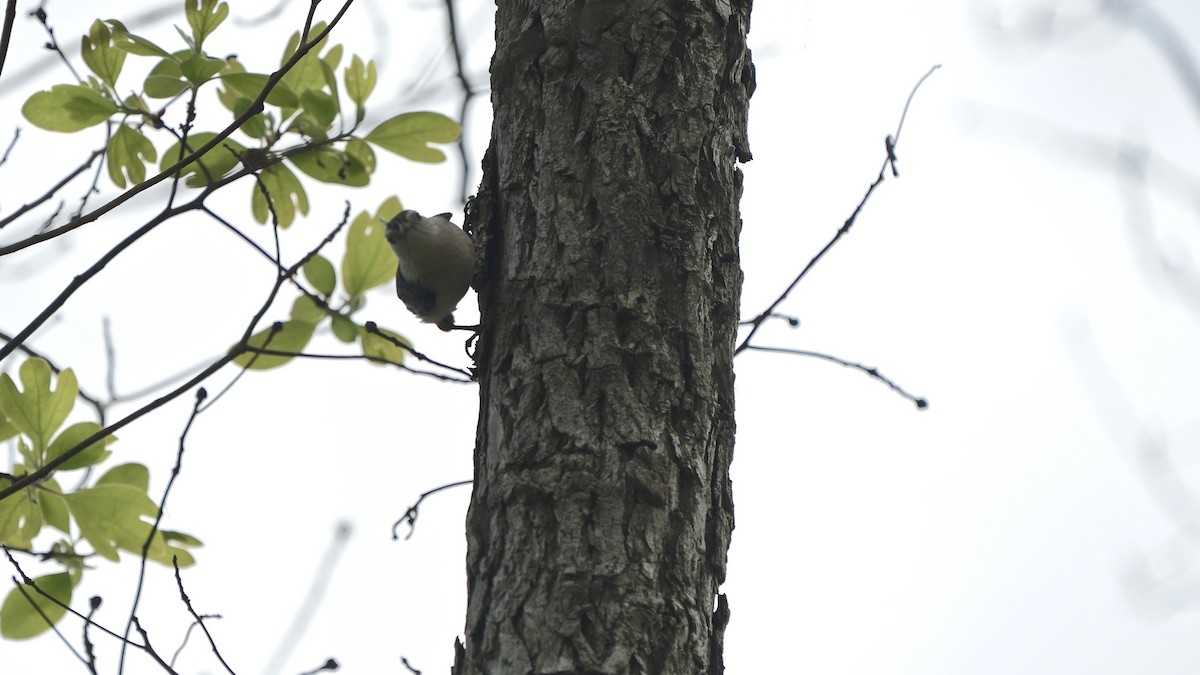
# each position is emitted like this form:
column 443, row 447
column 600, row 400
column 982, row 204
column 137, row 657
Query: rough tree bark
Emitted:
column 607, row 222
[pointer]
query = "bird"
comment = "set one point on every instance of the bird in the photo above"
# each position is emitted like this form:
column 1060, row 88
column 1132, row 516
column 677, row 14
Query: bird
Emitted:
column 437, row 264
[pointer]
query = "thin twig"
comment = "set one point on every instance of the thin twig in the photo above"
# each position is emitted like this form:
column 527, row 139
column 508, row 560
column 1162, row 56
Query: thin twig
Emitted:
column 468, row 93
column 373, row 329
column 187, row 635
column 149, row 649
column 25, row 208
column 201, row 394
column 11, row 144
column 40, row 15
column 200, row 620
column 410, row 516
column 892, row 140
column 358, row 357
column 88, row 647
column 920, row 402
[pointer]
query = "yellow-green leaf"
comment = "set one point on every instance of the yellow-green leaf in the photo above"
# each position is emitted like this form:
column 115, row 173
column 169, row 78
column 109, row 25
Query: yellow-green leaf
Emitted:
column 369, row 260
column 251, row 85
column 166, row 79
column 381, row 348
column 344, row 328
column 360, row 80
column 307, row 310
column 20, row 519
column 409, row 135
column 132, row 474
column 54, row 507
column 320, row 273
column 68, row 108
column 27, row 613
column 219, row 160
column 287, row 195
column 199, row 68
column 110, row 518
column 330, row 165
column 290, row 336
column 7, row 429
column 38, row 411
column 74, row 435
column 128, row 153
column 100, row 55
column 204, row 16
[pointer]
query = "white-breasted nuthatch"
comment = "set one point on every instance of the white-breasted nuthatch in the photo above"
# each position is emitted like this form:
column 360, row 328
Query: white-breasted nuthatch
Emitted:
column 437, row 263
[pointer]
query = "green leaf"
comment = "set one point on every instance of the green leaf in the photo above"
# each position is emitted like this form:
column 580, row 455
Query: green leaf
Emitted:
column 333, row 57
column 137, row 45
column 181, row 538
column 369, row 260
column 110, row 518
column 166, row 79
column 204, row 16
column 291, row 336
column 7, row 429
column 219, row 160
column 67, row 108
column 389, row 209
column 175, row 542
column 39, row 411
column 54, row 507
column 307, row 73
column 20, row 519
column 320, row 273
column 330, row 165
column 162, row 86
column 361, row 151
column 360, row 80
column 257, row 126
column 101, row 55
column 128, row 153
column 382, row 348
column 307, row 310
column 344, row 328
column 26, row 613
column 409, row 135
column 320, row 109
column 287, row 195
column 74, row 435
column 251, row 85
column 132, row 474
column 199, row 68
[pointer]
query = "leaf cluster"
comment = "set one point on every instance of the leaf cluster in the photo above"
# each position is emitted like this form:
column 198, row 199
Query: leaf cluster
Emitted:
column 304, row 119
column 305, row 114
column 367, row 263
column 113, row 513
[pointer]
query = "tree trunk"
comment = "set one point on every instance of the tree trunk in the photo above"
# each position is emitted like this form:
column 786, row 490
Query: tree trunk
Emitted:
column 608, row 224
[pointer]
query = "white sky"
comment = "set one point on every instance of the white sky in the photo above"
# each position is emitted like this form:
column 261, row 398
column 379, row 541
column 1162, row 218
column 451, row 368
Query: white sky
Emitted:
column 1001, row 531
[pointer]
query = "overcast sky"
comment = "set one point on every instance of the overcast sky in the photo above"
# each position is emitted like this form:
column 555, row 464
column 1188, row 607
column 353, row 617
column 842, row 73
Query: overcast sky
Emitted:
column 1027, row 273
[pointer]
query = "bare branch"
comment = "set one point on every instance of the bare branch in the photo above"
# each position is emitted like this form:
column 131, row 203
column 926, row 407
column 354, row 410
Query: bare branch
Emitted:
column 890, row 144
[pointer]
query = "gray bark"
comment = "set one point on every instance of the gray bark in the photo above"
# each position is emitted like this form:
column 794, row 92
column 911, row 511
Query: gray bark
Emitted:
column 607, row 224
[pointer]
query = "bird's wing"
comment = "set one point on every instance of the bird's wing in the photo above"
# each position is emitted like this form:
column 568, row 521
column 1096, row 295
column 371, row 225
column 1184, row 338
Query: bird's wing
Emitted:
column 417, row 298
